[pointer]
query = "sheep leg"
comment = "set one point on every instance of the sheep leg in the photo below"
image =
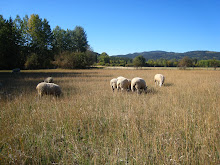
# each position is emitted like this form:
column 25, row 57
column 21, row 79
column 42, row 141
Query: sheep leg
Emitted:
column 113, row 89
column 145, row 90
column 133, row 88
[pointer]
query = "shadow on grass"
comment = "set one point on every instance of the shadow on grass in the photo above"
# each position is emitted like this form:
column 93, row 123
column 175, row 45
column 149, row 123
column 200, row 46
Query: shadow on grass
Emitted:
column 168, row 84
column 151, row 91
column 27, row 81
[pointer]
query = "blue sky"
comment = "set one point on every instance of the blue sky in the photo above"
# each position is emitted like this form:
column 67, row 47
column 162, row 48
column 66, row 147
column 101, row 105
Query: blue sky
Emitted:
column 128, row 26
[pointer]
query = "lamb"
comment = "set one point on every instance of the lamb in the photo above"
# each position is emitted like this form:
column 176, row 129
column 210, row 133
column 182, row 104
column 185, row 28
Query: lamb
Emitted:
column 159, row 79
column 138, row 84
column 49, row 80
column 113, row 83
column 123, row 84
column 44, row 88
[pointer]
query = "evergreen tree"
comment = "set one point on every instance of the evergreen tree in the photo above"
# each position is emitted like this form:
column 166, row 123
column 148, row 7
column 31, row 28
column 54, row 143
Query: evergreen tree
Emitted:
column 9, row 44
column 80, row 39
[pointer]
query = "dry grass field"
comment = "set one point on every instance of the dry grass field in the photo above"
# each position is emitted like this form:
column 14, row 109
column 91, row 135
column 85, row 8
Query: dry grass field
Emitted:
column 178, row 123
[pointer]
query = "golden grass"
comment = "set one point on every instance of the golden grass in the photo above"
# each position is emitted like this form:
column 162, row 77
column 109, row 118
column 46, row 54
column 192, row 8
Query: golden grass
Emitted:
column 178, row 123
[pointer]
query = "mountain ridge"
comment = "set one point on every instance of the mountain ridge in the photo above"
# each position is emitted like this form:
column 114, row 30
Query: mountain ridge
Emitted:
column 158, row 54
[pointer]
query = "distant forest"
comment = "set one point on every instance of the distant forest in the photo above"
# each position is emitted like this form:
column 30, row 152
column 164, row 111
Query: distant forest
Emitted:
column 155, row 55
column 172, row 59
column 29, row 43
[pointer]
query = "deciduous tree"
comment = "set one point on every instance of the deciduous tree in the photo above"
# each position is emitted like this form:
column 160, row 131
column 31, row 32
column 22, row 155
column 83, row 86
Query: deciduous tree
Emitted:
column 139, row 61
column 185, row 62
column 104, row 58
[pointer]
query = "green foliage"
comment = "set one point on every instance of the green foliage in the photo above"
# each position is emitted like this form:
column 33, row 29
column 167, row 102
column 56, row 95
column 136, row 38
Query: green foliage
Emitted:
column 72, row 60
column 40, row 32
column 80, row 39
column 104, row 59
column 120, row 61
column 215, row 63
column 9, row 44
column 200, row 55
column 209, row 63
column 162, row 63
column 30, row 43
column 139, row 61
column 60, row 40
column 71, row 47
column 32, row 62
column 185, row 62
column 70, row 40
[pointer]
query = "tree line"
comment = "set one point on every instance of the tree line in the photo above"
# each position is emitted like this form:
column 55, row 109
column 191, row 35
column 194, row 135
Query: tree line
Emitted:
column 140, row 61
column 30, row 43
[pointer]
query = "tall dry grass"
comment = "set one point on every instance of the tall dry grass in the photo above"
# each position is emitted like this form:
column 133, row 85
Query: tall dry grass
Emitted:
column 178, row 123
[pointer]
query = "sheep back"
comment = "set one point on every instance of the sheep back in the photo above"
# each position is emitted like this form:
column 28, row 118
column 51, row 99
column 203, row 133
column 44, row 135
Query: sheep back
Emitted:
column 122, row 84
column 138, row 83
column 44, row 88
column 159, row 78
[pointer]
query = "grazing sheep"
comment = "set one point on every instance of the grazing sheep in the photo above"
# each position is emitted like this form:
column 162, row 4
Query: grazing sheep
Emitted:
column 120, row 77
column 16, row 70
column 113, row 83
column 159, row 79
column 138, row 84
column 48, row 89
column 123, row 84
column 49, row 80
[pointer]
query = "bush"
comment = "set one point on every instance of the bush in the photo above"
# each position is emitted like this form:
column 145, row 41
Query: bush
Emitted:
column 71, row 60
column 32, row 62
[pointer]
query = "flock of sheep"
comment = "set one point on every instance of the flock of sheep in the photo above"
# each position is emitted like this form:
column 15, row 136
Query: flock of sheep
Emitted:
column 137, row 83
column 121, row 83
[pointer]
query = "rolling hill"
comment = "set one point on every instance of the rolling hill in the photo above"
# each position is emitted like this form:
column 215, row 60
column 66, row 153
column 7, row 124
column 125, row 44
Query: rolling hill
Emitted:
column 200, row 55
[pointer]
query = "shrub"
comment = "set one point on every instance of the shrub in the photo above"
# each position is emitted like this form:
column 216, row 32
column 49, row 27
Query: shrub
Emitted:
column 71, row 60
column 32, row 62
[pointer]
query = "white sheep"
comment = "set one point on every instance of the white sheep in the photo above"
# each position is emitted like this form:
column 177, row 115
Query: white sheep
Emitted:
column 44, row 88
column 49, row 80
column 138, row 84
column 113, row 83
column 159, row 79
column 123, row 84
column 120, row 77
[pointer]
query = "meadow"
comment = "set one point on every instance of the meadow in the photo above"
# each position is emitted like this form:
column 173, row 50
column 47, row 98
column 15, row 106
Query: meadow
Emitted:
column 178, row 123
